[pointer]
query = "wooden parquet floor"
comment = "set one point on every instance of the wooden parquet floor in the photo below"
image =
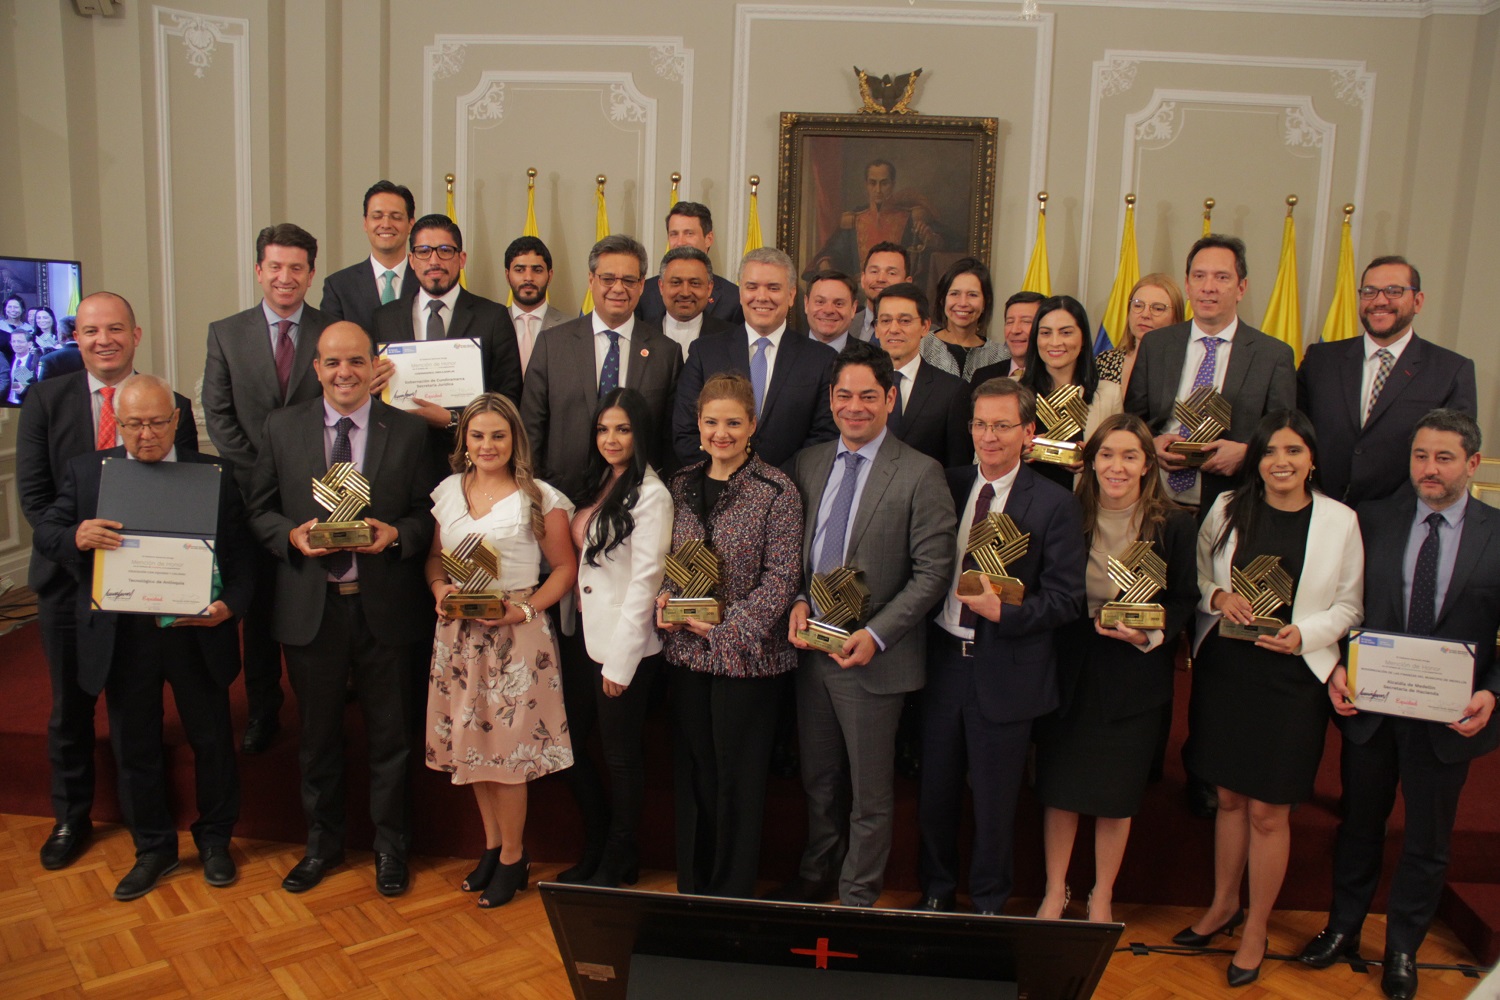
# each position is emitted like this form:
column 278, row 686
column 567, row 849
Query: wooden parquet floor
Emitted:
column 63, row 935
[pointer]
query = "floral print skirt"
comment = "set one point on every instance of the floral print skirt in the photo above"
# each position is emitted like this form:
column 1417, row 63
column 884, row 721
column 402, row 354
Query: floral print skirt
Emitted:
column 495, row 704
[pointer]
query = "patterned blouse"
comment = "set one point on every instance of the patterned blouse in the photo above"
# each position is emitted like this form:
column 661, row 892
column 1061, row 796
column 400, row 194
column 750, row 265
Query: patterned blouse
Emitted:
column 755, row 527
column 1110, row 364
column 935, row 353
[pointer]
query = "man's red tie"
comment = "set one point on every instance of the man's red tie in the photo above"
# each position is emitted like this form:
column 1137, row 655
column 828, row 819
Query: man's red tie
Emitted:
column 106, row 418
column 284, row 351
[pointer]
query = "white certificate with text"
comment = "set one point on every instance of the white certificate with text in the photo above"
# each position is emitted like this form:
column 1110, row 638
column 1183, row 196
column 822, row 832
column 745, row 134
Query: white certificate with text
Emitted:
column 155, row 574
column 1411, row 676
column 446, row 372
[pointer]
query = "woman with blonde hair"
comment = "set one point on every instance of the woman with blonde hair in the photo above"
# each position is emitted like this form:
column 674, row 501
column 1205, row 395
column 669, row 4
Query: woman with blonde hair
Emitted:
column 1155, row 302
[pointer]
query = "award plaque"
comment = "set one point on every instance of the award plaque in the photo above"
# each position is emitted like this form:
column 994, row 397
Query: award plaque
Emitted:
column 1140, row 574
column 696, row 569
column 842, row 599
column 343, row 492
column 994, row 541
column 1267, row 587
column 1062, row 412
column 473, row 567
column 1205, row 414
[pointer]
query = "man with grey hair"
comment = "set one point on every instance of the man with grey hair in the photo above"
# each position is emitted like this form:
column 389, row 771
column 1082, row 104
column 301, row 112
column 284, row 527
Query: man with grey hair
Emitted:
column 687, row 285
column 790, row 372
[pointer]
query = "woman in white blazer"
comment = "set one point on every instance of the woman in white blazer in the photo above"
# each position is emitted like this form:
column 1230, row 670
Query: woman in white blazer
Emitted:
column 622, row 530
column 1259, row 710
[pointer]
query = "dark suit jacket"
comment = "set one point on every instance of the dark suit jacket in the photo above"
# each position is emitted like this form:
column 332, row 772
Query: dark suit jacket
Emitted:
column 1470, row 611
column 796, row 410
column 473, row 316
column 723, row 303
column 57, row 425
column 562, row 391
column 1000, row 369
column 391, row 587
column 240, row 387
column 67, row 358
column 935, row 421
column 1261, row 377
column 32, row 363
column 1361, row 461
column 354, row 294
column 234, row 549
column 1016, row 676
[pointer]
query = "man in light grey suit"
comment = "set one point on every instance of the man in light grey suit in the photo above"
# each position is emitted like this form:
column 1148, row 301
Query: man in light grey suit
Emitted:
column 577, row 362
column 880, row 506
column 260, row 360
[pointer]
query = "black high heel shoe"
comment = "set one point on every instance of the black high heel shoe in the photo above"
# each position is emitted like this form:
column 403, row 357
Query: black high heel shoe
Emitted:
column 479, row 879
column 587, row 865
column 1237, row 976
column 1189, row 938
column 508, row 880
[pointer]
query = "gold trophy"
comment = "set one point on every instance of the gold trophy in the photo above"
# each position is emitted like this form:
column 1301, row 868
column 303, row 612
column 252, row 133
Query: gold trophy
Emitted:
column 343, row 492
column 1139, row 573
column 1267, row 587
column 994, row 541
column 1205, row 414
column 473, row 566
column 696, row 570
column 841, row 598
column 1063, row 413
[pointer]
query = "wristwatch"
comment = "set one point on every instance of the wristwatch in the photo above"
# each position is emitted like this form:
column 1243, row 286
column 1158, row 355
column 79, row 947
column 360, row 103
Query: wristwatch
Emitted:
column 452, row 421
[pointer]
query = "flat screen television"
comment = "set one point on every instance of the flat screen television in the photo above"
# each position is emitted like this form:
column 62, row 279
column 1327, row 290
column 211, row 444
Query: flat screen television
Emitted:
column 38, row 302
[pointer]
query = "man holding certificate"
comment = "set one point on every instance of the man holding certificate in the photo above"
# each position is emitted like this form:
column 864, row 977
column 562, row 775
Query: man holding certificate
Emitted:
column 1432, row 569
column 131, row 655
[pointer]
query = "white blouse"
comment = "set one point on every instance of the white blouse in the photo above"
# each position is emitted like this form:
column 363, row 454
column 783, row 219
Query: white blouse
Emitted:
column 507, row 527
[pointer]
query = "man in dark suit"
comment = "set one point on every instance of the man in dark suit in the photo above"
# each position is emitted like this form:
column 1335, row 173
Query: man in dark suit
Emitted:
column 63, row 361
column 579, row 361
column 132, row 655
column 1432, row 568
column 885, row 264
column 876, row 504
column 991, row 667
column 687, row 284
column 355, row 292
column 63, row 418
column 1364, row 394
column 829, row 307
column 348, row 615
column 790, row 372
column 932, row 406
column 260, row 360
column 528, row 271
column 691, row 224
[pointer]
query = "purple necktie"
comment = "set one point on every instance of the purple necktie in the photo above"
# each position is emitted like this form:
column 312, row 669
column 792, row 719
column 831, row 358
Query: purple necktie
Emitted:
column 1182, row 480
column 285, row 349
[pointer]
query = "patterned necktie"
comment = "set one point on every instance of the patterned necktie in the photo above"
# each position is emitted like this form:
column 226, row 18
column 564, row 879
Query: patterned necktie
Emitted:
column 758, row 372
column 388, row 292
column 966, row 616
column 831, row 552
column 609, row 375
column 435, row 329
column 896, row 413
column 1182, row 480
column 1421, row 616
column 339, row 562
column 1387, row 362
column 284, row 351
column 106, row 438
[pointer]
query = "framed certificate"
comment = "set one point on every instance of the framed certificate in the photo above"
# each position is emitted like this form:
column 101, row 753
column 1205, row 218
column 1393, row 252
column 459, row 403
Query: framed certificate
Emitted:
column 446, row 372
column 1411, row 676
column 155, row 575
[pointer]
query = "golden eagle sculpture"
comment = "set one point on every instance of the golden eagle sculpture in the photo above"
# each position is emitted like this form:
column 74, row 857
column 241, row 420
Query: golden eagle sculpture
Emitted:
column 884, row 95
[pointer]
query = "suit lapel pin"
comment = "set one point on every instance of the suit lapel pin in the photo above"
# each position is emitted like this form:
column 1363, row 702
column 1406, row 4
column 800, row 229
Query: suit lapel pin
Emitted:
column 645, row 353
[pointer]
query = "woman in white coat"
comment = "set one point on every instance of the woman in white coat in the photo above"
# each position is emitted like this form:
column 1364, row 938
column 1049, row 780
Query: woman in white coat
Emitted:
column 1259, row 711
column 622, row 530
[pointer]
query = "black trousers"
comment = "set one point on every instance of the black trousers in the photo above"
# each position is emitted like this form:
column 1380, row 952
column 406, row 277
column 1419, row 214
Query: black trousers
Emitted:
column 146, row 657
column 70, row 727
column 580, row 676
column 344, row 650
column 263, row 693
column 1401, row 753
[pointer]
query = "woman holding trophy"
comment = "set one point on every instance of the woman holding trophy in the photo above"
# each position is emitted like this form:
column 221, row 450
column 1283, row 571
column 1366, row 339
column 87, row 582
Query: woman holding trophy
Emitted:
column 1281, row 571
column 1071, row 400
column 494, row 710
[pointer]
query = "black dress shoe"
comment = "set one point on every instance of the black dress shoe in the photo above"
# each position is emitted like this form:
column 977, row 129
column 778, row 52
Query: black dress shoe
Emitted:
column 1243, row 977
column 259, row 734
column 308, row 872
column 1398, row 980
column 148, row 870
column 1328, row 947
column 805, row 890
column 391, row 875
column 218, row 866
column 1188, row 938
column 586, row 866
column 65, row 843
column 936, row 904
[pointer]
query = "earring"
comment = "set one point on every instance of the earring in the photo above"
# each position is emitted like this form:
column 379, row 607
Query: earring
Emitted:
column 468, row 461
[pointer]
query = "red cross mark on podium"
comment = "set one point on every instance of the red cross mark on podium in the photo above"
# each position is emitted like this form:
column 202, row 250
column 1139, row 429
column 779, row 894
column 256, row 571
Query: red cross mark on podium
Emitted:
column 822, row 954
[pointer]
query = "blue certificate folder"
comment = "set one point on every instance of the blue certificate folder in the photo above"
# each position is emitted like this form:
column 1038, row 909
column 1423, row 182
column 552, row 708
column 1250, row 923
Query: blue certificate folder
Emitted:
column 172, row 499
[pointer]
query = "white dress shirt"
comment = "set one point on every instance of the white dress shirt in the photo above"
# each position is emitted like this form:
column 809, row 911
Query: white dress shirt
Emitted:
column 683, row 333
column 420, row 312
column 908, row 377
column 949, row 618
column 380, row 269
column 1372, row 365
column 775, row 338
column 626, row 330
column 1195, row 353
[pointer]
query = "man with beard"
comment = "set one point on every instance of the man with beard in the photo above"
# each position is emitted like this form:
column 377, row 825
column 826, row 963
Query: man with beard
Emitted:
column 687, row 284
column 528, row 270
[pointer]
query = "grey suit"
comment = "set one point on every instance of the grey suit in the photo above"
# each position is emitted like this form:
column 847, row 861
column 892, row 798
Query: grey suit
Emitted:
column 902, row 540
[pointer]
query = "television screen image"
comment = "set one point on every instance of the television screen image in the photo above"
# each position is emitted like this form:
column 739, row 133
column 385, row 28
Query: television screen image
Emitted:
column 38, row 302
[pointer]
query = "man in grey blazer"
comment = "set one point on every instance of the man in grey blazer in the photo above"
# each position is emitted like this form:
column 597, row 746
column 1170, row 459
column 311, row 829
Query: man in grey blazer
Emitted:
column 528, row 271
column 880, row 506
column 260, row 360
column 579, row 361
column 359, row 289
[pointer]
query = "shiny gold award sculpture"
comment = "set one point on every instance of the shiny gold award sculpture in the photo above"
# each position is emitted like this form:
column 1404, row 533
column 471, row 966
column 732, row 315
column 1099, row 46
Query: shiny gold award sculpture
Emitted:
column 695, row 569
column 343, row 492
column 994, row 542
column 473, row 566
column 841, row 598
column 1140, row 574
column 1063, row 413
column 1267, row 587
column 1205, row 414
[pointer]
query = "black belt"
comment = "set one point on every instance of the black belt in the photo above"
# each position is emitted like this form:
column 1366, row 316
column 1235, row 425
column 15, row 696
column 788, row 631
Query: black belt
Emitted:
column 952, row 643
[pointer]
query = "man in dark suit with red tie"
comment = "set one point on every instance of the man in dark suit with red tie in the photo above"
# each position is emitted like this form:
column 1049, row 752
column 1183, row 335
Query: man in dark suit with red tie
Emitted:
column 359, row 289
column 1432, row 568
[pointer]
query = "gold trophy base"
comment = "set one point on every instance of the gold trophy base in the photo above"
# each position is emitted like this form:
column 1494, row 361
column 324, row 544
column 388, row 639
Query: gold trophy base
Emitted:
column 1011, row 590
column 1138, row 616
column 340, row 535
column 708, row 610
column 821, row 635
column 1251, row 632
column 1065, row 453
column 1192, row 452
column 457, row 605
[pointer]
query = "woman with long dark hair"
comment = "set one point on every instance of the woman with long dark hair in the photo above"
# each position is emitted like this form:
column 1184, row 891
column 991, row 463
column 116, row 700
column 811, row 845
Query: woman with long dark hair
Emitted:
column 1062, row 353
column 960, row 343
column 1259, row 710
column 48, row 337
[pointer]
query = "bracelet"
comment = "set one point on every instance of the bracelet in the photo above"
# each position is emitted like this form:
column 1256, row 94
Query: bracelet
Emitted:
column 527, row 610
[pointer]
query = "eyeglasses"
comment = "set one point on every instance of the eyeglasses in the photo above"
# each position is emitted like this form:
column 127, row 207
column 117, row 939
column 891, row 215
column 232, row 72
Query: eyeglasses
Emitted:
column 444, row 252
column 611, row 280
column 1368, row 292
column 980, row 427
column 1154, row 308
column 136, row 426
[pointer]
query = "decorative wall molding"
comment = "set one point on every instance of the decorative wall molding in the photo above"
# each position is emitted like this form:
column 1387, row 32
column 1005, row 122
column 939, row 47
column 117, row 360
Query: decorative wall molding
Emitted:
column 199, row 37
column 490, row 107
column 1321, row 8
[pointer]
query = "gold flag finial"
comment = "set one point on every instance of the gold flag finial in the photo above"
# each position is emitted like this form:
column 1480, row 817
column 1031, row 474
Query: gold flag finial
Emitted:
column 1130, row 199
column 531, row 176
column 1041, row 196
column 600, row 180
column 1348, row 210
column 1291, row 203
column 449, row 179
column 754, row 183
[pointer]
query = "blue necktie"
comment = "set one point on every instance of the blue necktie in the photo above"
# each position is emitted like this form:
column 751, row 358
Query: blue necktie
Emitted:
column 1421, row 615
column 831, row 552
column 758, row 373
column 1182, row 480
column 339, row 562
column 609, row 375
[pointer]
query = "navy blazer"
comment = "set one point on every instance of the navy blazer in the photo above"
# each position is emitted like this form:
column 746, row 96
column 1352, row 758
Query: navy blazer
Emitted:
column 935, row 421
column 354, row 294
